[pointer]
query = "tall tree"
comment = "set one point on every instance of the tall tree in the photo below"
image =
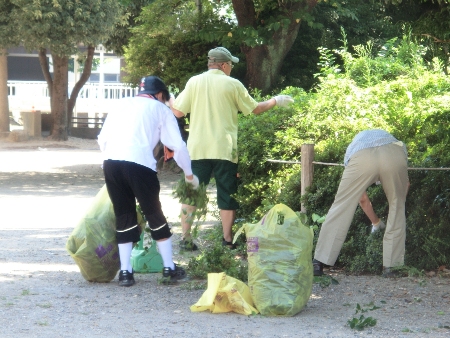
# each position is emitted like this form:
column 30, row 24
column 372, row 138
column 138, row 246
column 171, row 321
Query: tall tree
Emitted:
column 264, row 30
column 165, row 42
column 433, row 27
column 8, row 38
column 62, row 27
column 122, row 30
column 275, row 24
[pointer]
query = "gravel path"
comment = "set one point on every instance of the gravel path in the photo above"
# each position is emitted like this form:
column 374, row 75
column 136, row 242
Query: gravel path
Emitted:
column 46, row 186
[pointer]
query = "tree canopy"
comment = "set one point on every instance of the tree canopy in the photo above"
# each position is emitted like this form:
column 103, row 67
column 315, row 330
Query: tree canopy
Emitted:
column 8, row 38
column 261, row 31
column 258, row 32
column 62, row 27
column 121, row 34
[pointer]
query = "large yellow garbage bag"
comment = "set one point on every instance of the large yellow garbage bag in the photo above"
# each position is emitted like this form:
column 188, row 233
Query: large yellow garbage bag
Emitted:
column 92, row 243
column 280, row 272
column 225, row 294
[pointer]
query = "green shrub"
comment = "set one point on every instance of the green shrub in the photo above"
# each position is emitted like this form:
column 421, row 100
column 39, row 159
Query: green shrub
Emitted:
column 396, row 91
column 219, row 258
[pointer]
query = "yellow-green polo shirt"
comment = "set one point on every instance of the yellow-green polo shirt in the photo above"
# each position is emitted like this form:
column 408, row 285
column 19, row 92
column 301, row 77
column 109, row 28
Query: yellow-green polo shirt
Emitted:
column 214, row 99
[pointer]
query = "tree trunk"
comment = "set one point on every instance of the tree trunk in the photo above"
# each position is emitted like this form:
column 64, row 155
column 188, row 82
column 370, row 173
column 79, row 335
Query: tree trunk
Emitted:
column 43, row 61
column 265, row 61
column 59, row 93
column 4, row 106
column 80, row 83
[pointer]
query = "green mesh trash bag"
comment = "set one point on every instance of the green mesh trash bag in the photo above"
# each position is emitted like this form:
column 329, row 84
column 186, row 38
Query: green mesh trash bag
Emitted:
column 146, row 259
column 280, row 272
column 92, row 243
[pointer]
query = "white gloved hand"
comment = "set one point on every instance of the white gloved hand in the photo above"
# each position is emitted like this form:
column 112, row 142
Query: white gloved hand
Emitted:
column 379, row 226
column 194, row 181
column 283, row 100
column 171, row 100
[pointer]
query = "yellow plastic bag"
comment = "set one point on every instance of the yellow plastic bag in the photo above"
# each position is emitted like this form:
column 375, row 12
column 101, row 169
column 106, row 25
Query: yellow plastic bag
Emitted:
column 225, row 294
column 280, row 272
column 93, row 244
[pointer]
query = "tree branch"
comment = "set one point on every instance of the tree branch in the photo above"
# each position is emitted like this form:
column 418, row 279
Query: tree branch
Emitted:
column 45, row 69
column 81, row 82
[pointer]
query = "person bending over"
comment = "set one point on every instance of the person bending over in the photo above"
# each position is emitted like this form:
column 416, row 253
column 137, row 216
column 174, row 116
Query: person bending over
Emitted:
column 128, row 137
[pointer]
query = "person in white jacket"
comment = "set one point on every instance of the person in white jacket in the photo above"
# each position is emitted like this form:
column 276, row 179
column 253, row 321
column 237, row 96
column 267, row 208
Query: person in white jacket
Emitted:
column 128, row 137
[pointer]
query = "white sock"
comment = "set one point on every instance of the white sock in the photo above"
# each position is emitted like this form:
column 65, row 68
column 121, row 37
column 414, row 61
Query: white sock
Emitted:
column 125, row 256
column 165, row 250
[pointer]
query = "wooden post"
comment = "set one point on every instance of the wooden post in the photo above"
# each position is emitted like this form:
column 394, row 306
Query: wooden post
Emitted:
column 307, row 158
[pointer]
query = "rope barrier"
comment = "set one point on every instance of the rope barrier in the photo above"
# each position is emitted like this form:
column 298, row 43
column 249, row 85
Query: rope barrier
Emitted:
column 339, row 164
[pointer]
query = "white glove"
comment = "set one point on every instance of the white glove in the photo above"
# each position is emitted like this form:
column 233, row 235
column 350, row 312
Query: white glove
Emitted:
column 171, row 100
column 194, row 181
column 283, row 100
column 379, row 226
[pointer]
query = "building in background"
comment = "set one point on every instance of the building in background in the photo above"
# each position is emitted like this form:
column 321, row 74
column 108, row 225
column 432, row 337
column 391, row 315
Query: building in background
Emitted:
column 27, row 88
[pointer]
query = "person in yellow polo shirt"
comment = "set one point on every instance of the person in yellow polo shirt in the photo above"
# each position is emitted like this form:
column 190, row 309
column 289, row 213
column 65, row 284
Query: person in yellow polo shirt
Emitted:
column 213, row 100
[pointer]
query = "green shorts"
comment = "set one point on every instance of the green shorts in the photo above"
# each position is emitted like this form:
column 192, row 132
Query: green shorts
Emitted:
column 225, row 174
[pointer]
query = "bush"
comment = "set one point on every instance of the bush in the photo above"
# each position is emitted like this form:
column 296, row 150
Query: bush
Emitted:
column 395, row 91
column 219, row 258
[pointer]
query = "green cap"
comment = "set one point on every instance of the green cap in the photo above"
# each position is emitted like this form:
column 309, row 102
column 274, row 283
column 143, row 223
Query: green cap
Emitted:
column 220, row 54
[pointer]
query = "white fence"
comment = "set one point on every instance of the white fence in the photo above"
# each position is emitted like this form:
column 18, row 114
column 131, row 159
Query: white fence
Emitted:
column 93, row 99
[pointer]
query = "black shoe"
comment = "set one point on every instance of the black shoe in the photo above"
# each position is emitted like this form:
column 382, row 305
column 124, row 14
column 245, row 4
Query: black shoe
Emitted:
column 126, row 278
column 318, row 268
column 171, row 276
column 228, row 244
column 188, row 245
column 391, row 273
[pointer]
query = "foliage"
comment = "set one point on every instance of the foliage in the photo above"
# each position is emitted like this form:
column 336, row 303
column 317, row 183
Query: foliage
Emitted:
column 259, row 141
column 62, row 25
column 8, row 31
column 215, row 257
column 164, row 44
column 186, row 194
column 374, row 21
column 172, row 38
column 81, row 60
column 219, row 258
column 433, row 28
column 119, row 38
column 390, row 87
column 362, row 322
column 325, row 281
column 258, row 21
column 172, row 30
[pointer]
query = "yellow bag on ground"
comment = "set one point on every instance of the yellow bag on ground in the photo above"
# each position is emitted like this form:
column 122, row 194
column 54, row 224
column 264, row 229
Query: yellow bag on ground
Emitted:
column 225, row 294
column 280, row 272
column 92, row 243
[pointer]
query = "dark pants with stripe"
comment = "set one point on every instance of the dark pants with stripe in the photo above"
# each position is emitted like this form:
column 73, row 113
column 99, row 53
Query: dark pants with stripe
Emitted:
column 127, row 182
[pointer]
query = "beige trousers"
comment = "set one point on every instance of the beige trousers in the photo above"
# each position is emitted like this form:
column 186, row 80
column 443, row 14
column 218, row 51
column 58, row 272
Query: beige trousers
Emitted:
column 387, row 164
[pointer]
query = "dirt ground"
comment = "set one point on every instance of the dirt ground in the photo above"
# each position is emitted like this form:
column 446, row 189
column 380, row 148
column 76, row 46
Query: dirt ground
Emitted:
column 45, row 188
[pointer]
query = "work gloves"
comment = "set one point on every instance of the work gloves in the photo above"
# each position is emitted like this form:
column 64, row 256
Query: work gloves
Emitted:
column 171, row 100
column 379, row 226
column 283, row 100
column 194, row 181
